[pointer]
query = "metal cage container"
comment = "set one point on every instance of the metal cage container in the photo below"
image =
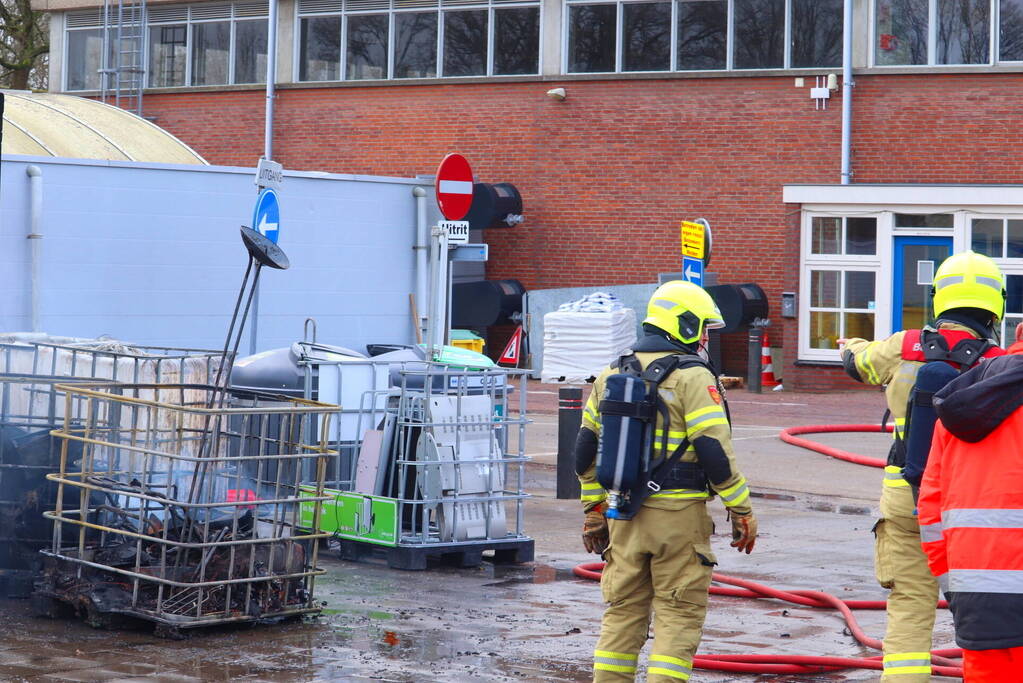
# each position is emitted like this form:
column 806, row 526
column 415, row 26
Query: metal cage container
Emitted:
column 186, row 505
column 436, row 456
column 30, row 407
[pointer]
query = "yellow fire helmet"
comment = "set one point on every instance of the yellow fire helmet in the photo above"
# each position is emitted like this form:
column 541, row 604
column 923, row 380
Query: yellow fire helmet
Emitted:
column 683, row 310
column 969, row 280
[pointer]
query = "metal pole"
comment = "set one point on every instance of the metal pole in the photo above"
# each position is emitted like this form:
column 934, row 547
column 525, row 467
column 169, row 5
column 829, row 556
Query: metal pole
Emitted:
column 754, row 367
column 268, row 141
column 570, row 417
column 847, row 86
column 422, row 250
column 35, row 184
column 271, row 77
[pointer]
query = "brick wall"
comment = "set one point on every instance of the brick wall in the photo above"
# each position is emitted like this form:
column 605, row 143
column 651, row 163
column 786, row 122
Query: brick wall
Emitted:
column 607, row 174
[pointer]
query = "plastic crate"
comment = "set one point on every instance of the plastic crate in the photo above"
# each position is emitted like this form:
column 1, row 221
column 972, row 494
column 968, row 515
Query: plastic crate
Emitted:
column 464, row 339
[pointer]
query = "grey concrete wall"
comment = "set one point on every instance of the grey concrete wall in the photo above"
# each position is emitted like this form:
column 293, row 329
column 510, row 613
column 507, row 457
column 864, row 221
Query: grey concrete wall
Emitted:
column 152, row 255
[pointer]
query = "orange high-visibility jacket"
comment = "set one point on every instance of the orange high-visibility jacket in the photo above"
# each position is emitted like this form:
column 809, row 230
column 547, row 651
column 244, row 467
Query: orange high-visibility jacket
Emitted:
column 971, row 502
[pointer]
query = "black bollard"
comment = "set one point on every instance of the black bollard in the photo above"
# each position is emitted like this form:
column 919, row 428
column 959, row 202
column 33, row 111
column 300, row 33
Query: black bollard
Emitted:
column 756, row 336
column 570, row 418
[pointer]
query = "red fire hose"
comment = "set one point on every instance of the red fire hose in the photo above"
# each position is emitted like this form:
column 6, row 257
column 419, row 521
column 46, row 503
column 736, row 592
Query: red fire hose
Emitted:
column 942, row 660
column 789, row 436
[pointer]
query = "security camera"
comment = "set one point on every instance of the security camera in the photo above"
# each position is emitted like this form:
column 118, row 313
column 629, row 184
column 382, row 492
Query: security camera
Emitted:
column 557, row 94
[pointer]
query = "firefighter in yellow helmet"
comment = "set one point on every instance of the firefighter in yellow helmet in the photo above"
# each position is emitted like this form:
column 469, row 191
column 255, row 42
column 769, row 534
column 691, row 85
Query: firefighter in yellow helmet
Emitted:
column 969, row 301
column 657, row 542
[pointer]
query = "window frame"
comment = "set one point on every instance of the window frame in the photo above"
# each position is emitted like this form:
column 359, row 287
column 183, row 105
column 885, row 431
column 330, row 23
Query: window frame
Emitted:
column 65, row 66
column 994, row 19
column 673, row 63
column 440, row 11
column 188, row 21
column 841, row 263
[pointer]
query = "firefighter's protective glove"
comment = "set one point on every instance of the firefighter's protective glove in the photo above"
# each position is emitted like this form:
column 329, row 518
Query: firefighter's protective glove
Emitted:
column 595, row 533
column 744, row 532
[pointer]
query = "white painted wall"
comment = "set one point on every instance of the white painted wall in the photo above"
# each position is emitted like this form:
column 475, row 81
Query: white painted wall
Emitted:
column 151, row 254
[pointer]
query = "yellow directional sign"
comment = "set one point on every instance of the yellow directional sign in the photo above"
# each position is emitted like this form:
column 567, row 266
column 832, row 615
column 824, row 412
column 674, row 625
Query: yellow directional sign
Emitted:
column 692, row 240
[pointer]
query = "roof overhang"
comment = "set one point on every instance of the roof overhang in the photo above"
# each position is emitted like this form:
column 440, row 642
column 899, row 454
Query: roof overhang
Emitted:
column 905, row 195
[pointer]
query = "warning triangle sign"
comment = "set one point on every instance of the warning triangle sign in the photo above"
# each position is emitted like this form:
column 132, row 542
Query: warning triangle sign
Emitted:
column 513, row 349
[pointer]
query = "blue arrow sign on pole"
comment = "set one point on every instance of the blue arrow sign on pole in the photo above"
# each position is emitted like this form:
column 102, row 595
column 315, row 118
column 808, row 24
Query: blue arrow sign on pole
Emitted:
column 266, row 219
column 692, row 270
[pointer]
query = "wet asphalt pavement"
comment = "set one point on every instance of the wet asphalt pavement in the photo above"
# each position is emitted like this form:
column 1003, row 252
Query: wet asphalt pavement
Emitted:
column 533, row 622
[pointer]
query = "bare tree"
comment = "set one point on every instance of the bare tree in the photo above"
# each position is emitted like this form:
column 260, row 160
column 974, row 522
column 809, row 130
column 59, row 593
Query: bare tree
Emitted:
column 24, row 45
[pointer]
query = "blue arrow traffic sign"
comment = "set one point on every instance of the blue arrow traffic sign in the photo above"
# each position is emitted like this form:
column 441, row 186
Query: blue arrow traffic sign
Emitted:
column 266, row 219
column 692, row 270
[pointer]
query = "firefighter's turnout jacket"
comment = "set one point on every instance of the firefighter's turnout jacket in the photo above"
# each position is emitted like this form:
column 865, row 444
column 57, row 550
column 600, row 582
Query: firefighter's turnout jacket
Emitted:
column 661, row 559
column 696, row 411
column 971, row 503
column 899, row 561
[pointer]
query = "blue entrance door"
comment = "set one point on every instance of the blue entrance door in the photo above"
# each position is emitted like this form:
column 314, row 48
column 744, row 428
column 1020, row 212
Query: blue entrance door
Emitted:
column 916, row 259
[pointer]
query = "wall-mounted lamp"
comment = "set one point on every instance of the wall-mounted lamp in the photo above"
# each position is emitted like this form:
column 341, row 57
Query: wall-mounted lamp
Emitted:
column 558, row 94
column 832, row 82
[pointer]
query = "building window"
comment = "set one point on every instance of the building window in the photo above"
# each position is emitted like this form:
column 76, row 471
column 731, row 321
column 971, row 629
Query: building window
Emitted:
column 1010, row 30
column 997, row 237
column 367, row 47
column 842, row 304
column 1013, row 308
column 924, row 220
column 960, row 32
column 84, row 59
column 766, row 34
column 840, row 279
column 211, row 48
column 702, row 34
column 371, row 41
column 591, row 38
column 837, row 235
column 186, row 45
column 168, row 55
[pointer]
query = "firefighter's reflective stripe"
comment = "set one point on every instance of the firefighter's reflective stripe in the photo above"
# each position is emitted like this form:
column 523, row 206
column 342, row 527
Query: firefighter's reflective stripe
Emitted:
column 943, row 583
column 929, row 533
column 900, row 428
column 893, row 476
column 982, row 518
column 682, row 493
column 985, row 581
column 590, row 414
column 699, row 420
column 736, row 494
column 864, row 360
column 907, row 663
column 622, row 662
column 592, row 492
column 675, row 440
column 673, row 667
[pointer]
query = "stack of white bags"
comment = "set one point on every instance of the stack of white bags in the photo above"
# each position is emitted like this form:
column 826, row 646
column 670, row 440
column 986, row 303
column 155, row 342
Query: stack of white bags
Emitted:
column 582, row 337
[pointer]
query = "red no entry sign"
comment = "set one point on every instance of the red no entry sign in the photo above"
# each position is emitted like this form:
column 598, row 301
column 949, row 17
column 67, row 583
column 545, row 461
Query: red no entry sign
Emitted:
column 454, row 187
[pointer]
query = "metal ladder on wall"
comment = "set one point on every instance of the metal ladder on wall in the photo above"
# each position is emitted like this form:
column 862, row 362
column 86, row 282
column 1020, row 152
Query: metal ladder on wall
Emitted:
column 124, row 37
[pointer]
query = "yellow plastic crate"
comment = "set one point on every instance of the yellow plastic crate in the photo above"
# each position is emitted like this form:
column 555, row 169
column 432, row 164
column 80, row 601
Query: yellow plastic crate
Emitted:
column 464, row 339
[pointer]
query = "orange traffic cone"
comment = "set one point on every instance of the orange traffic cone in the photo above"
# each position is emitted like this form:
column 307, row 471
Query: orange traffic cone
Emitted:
column 766, row 369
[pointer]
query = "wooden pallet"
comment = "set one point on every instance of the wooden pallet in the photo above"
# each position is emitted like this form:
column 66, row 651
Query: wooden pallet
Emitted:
column 419, row 557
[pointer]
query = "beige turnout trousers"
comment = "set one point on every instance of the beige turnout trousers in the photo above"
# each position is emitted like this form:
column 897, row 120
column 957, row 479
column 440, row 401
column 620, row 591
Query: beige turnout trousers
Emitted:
column 659, row 562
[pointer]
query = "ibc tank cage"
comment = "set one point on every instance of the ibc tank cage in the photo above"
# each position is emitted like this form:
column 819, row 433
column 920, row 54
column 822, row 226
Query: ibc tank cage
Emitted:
column 31, row 406
column 183, row 510
column 436, row 455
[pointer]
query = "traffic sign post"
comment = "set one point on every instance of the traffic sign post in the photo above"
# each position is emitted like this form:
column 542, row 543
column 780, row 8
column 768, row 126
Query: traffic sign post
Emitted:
column 454, row 187
column 266, row 220
column 696, row 240
column 266, row 217
column 692, row 270
column 454, row 198
column 269, row 174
